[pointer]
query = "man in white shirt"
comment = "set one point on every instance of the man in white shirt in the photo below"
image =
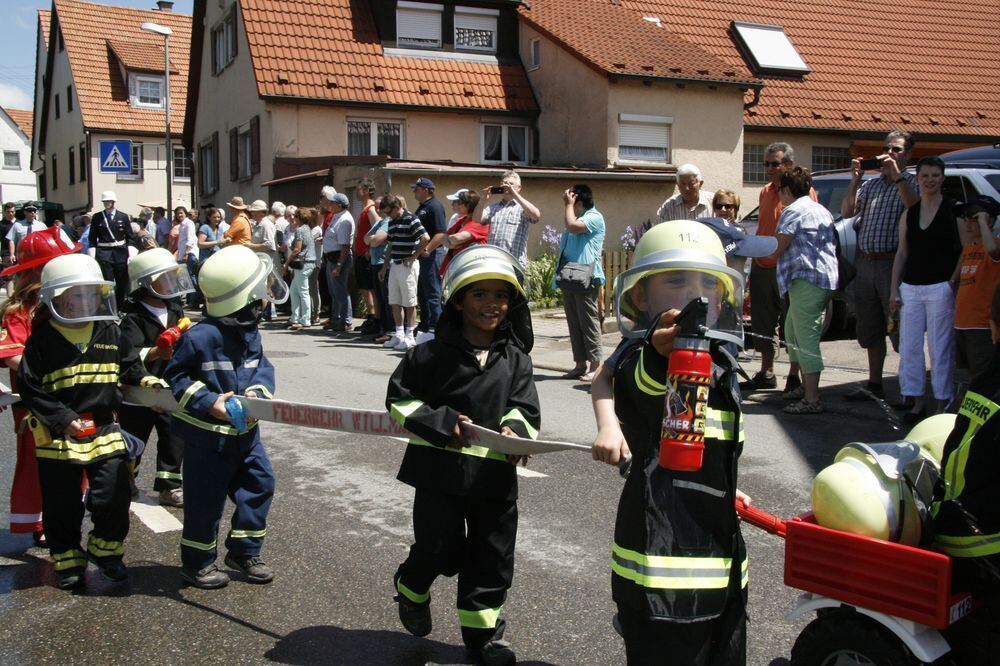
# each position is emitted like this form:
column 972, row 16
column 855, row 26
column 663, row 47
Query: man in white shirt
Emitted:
column 21, row 228
column 690, row 202
column 187, row 250
column 262, row 239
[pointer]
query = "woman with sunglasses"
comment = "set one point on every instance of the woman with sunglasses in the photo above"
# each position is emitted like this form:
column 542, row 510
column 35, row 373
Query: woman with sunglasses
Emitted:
column 726, row 204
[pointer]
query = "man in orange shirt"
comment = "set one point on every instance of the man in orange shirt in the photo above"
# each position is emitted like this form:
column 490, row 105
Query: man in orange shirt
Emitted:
column 977, row 278
column 239, row 228
column 766, row 307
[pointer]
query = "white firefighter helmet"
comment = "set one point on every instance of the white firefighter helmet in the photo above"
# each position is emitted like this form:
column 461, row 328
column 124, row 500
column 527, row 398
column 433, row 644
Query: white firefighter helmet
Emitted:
column 693, row 263
column 235, row 277
column 487, row 262
column 158, row 272
column 865, row 491
column 75, row 291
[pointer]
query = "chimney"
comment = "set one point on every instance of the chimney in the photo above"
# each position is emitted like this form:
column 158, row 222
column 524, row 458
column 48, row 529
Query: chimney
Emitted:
column 165, row 5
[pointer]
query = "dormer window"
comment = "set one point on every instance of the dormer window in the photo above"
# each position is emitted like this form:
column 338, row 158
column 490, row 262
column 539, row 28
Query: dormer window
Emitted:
column 146, row 91
column 418, row 24
column 476, row 29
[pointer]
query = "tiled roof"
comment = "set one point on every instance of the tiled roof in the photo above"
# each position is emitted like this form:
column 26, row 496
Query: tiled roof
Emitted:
column 923, row 66
column 24, row 119
column 102, row 93
column 330, row 50
column 626, row 44
column 141, row 56
column 44, row 18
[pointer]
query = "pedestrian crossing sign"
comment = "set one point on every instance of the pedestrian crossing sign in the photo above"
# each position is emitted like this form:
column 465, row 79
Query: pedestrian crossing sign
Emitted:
column 115, row 156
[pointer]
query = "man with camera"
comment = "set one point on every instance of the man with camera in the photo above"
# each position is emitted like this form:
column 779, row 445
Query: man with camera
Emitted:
column 509, row 218
column 878, row 203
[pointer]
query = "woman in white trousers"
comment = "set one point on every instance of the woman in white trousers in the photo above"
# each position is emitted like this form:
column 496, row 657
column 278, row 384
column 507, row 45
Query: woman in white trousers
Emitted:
column 924, row 277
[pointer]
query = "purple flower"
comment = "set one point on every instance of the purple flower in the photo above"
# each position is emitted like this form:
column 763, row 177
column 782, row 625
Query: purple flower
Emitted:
column 550, row 238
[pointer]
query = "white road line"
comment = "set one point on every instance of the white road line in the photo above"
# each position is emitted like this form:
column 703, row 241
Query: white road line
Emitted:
column 155, row 517
column 530, row 473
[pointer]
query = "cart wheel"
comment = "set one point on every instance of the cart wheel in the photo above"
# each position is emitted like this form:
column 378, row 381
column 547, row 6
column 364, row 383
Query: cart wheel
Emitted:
column 844, row 638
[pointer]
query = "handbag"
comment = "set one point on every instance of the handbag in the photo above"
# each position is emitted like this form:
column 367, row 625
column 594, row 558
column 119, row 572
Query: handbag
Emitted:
column 574, row 276
column 296, row 264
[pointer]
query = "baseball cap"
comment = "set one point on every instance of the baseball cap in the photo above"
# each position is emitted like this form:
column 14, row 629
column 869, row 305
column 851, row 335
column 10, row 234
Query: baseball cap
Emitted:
column 982, row 202
column 423, row 182
column 341, row 199
column 736, row 242
column 458, row 193
column 30, row 206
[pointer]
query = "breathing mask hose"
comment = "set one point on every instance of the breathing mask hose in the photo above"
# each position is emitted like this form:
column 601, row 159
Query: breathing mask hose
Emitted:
column 689, row 373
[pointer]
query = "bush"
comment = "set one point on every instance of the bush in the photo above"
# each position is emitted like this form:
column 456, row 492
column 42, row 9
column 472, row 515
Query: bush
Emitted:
column 540, row 274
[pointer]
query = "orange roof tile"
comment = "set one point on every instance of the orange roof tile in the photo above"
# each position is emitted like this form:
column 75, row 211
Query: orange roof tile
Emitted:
column 873, row 64
column 23, row 119
column 626, row 44
column 345, row 63
column 102, row 93
column 44, row 18
column 140, row 57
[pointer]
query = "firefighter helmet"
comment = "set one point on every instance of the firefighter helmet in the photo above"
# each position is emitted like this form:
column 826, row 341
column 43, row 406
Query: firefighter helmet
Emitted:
column 158, row 272
column 235, row 277
column 40, row 247
column 693, row 256
column 487, row 262
column 75, row 291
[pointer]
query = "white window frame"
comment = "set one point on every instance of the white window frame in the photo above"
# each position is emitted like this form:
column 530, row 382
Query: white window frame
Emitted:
column 373, row 124
column 478, row 19
column 135, row 85
column 504, row 142
column 649, row 124
column 137, row 164
column 425, row 12
column 534, row 54
column 17, row 158
column 183, row 158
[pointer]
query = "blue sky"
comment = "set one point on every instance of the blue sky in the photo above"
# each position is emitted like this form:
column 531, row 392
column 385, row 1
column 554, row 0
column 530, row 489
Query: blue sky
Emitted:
column 17, row 71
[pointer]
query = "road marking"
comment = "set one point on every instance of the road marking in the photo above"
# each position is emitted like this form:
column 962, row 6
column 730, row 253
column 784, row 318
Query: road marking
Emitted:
column 155, row 517
column 530, row 473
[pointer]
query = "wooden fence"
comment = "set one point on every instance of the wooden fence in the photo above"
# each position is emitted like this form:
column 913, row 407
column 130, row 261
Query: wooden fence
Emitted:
column 615, row 263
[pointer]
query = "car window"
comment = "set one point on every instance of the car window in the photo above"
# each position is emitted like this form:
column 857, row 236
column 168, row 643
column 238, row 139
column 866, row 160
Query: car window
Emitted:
column 958, row 188
column 831, row 192
column 994, row 180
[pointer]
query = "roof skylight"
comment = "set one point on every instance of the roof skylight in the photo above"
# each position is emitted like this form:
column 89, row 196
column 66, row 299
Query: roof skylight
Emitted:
column 768, row 49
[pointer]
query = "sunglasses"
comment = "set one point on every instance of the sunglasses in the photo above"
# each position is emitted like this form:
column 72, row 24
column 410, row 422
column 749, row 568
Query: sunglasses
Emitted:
column 893, row 149
column 723, row 206
column 774, row 164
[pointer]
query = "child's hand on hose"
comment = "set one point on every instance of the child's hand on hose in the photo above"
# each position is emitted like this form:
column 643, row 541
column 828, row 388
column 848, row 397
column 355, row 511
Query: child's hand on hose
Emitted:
column 610, row 446
column 218, row 408
column 458, row 437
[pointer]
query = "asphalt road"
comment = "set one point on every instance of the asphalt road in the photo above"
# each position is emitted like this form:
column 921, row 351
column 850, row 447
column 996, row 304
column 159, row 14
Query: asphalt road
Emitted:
column 340, row 524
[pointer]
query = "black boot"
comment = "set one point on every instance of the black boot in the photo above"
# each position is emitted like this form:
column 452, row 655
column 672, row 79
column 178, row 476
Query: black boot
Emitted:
column 209, row 578
column 494, row 653
column 70, row 579
column 415, row 617
column 252, row 567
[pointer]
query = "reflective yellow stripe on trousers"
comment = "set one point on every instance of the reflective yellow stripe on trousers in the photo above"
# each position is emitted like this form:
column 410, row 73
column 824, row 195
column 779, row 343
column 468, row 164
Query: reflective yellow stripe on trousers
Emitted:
column 671, row 573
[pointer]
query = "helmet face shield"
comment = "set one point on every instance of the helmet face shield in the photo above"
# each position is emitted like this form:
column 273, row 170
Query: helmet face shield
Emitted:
column 272, row 286
column 81, row 303
column 647, row 290
column 171, row 283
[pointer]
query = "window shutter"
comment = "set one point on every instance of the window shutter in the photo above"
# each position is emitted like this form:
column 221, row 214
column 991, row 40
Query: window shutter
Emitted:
column 234, row 154
column 645, row 135
column 255, row 144
column 215, row 163
column 215, row 51
column 418, row 27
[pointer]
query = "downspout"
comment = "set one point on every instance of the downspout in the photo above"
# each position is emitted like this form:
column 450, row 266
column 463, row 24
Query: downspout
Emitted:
column 90, row 174
column 755, row 101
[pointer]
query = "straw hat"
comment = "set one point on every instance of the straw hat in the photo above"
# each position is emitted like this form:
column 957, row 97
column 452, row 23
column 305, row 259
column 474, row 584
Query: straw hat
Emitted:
column 237, row 203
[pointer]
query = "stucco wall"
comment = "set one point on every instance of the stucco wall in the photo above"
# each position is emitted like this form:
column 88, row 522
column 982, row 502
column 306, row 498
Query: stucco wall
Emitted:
column 226, row 101
column 61, row 133
column 16, row 184
column 151, row 189
column 573, row 99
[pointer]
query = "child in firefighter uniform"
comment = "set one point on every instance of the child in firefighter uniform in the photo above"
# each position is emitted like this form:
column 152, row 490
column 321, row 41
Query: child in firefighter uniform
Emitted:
column 679, row 567
column 966, row 512
column 68, row 378
column 156, row 285
column 36, row 250
column 465, row 504
column 217, row 359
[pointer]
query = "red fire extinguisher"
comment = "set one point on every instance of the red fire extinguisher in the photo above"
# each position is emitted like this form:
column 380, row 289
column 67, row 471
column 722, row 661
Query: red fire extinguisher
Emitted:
column 689, row 372
column 166, row 340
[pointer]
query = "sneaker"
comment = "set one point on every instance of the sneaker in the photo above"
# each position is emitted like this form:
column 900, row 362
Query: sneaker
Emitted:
column 864, row 393
column 406, row 343
column 209, row 578
column 760, row 382
column 113, row 570
column 415, row 618
column 423, row 337
column 392, row 342
column 495, row 653
column 172, row 497
column 70, row 579
column 252, row 567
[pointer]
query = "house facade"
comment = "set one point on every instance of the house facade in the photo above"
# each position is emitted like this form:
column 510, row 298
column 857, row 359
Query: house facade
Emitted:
column 93, row 87
column 17, row 182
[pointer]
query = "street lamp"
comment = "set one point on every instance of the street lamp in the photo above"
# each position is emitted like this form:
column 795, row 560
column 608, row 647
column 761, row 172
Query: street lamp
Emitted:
column 166, row 32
